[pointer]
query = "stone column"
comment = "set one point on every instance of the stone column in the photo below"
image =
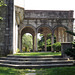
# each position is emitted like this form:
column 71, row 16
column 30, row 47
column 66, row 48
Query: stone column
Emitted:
column 20, row 42
column 67, row 37
column 35, row 42
column 52, row 41
column 57, row 36
column 61, row 35
column 45, row 43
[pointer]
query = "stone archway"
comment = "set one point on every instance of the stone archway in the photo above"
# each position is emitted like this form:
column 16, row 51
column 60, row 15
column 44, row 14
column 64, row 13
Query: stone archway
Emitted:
column 45, row 30
column 30, row 30
column 34, row 20
column 61, row 35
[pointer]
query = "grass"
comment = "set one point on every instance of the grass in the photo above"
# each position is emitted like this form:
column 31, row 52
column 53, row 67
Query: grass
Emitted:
column 10, row 71
column 49, row 71
column 39, row 53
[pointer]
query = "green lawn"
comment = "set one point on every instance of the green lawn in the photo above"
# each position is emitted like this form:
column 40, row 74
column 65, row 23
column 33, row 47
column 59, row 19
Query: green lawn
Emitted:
column 39, row 53
column 49, row 71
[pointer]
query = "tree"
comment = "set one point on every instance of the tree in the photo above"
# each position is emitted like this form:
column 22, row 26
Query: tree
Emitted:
column 41, row 43
column 27, row 42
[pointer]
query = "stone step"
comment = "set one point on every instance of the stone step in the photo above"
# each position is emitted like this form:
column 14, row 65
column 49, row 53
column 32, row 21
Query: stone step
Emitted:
column 31, row 59
column 35, row 62
column 35, row 66
column 34, row 56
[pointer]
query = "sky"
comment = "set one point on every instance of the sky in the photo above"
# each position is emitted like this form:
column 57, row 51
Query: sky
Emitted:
column 46, row 4
column 50, row 5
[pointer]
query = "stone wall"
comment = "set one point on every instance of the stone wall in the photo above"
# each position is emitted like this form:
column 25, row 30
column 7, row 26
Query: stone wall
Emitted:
column 6, row 28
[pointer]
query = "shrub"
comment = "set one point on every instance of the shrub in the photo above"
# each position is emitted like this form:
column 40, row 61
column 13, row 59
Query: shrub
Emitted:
column 18, row 50
column 70, row 52
column 48, row 47
column 57, row 46
column 73, row 44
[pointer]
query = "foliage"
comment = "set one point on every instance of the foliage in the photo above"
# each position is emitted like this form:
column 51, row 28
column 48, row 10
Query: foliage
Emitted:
column 39, row 54
column 2, row 4
column 70, row 52
column 27, row 42
column 41, row 42
column 70, row 32
column 73, row 44
column 1, row 18
column 57, row 46
column 18, row 50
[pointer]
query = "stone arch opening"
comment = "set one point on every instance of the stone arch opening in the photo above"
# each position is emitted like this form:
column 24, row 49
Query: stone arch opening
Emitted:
column 27, row 42
column 61, row 35
column 25, row 30
column 46, row 32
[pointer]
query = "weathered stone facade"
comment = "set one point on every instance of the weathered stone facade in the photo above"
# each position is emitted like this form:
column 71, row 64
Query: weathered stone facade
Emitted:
column 6, row 28
column 18, row 21
column 47, row 21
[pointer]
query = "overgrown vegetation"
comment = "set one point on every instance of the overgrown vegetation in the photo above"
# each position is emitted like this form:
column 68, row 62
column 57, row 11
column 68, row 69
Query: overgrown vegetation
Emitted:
column 2, row 4
column 41, row 71
column 71, row 51
column 57, row 46
column 27, row 43
column 41, row 43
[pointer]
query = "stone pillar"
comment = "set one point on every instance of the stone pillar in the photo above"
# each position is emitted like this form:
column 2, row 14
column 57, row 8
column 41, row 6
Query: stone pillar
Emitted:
column 52, row 41
column 67, row 37
column 57, row 36
column 20, row 42
column 65, row 46
column 35, row 48
column 45, row 43
column 33, row 44
column 60, row 35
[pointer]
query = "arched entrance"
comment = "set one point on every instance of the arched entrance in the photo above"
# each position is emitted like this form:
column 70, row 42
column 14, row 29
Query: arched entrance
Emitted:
column 44, row 30
column 61, row 35
column 26, row 30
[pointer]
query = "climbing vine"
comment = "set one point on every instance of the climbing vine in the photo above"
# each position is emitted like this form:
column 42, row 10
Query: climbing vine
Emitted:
column 2, row 4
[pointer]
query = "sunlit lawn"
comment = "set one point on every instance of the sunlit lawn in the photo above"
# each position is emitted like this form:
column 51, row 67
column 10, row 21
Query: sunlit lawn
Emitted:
column 39, row 53
column 49, row 71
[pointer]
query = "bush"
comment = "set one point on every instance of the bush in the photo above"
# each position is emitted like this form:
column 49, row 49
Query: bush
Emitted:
column 48, row 47
column 18, row 50
column 70, row 52
column 73, row 44
column 57, row 46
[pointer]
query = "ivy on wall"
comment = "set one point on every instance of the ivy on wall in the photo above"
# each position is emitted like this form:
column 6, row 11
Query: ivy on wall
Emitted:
column 2, row 4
